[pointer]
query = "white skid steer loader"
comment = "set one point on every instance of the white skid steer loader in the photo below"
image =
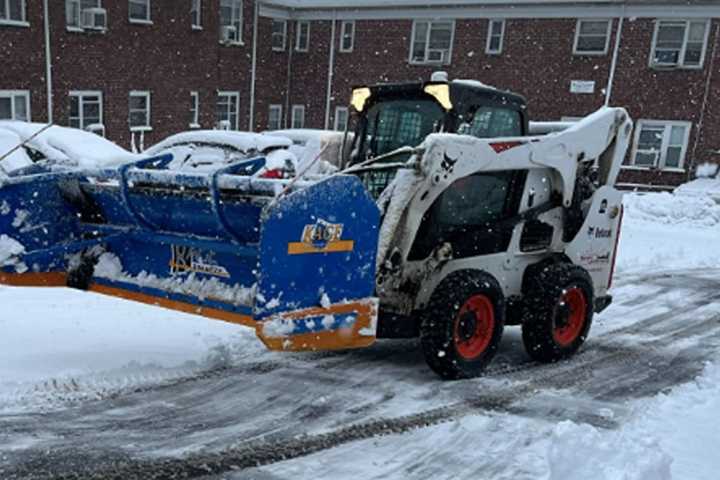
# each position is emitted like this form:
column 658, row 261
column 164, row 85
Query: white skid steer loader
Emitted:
column 450, row 219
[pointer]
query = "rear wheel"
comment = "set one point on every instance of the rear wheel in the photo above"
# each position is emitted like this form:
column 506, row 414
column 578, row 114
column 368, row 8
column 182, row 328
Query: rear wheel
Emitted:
column 558, row 312
column 463, row 324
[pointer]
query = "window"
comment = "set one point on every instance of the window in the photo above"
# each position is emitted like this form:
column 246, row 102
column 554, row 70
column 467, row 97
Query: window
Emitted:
column 679, row 43
column 76, row 19
column 227, row 110
column 86, row 110
column 341, row 118
column 279, row 35
column 15, row 105
column 194, row 110
column 347, row 36
column 661, row 144
column 12, row 11
column 298, row 116
column 231, row 21
column 467, row 215
column 140, row 11
column 139, row 109
column 196, row 14
column 275, row 117
column 302, row 37
column 592, row 37
column 491, row 122
column 496, row 32
column 432, row 42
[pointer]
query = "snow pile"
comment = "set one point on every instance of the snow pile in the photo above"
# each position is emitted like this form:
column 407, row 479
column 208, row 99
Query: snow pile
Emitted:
column 68, row 146
column 9, row 249
column 582, row 451
column 669, row 231
column 110, row 267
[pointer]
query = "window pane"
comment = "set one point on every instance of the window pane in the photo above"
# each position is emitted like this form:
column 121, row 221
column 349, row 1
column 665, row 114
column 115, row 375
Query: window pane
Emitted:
column 74, row 106
column 651, row 138
column 195, row 12
column 278, row 35
column 16, row 10
column 594, row 28
column 697, row 32
column 672, row 157
column 138, row 102
column 3, row 13
column 91, row 112
column 496, row 28
column 645, row 159
column 670, row 36
column 21, row 108
column 5, row 108
column 667, row 56
column 591, row 44
column 693, row 53
column 440, row 35
column 138, row 119
column 139, row 10
column 677, row 135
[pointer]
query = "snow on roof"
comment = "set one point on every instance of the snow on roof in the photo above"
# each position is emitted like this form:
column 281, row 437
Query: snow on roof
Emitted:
column 242, row 141
column 68, row 145
column 16, row 160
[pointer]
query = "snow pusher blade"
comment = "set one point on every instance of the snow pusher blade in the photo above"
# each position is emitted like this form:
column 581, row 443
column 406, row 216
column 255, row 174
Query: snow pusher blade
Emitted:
column 295, row 261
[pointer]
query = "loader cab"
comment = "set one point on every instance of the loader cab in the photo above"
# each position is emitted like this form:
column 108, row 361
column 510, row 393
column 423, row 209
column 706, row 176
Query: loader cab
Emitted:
column 392, row 116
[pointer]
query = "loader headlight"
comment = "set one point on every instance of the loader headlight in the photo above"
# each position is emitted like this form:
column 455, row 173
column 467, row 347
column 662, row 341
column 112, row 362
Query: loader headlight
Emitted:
column 359, row 97
column 441, row 92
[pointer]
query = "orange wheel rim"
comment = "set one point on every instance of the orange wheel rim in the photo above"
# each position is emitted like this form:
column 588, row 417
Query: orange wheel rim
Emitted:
column 474, row 327
column 572, row 311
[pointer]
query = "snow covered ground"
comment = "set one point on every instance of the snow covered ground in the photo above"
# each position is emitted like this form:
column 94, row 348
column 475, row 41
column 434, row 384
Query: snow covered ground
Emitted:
column 70, row 362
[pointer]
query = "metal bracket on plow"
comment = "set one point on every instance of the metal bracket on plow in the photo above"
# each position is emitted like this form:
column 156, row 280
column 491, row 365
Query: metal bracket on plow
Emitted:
column 248, row 167
column 161, row 162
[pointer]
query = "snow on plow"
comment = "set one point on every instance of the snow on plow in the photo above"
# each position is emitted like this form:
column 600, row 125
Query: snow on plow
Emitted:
column 295, row 261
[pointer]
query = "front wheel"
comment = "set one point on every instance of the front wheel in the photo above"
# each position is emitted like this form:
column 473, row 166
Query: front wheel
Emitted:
column 463, row 324
column 558, row 312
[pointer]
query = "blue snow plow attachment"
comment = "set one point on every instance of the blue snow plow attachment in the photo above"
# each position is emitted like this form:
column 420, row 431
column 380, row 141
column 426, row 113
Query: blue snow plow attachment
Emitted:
column 295, row 261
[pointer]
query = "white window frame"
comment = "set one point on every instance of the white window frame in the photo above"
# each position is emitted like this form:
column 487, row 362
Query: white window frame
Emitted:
column 667, row 126
column 488, row 42
column 14, row 22
column 236, row 16
column 284, row 35
column 298, row 111
column 196, row 6
column 298, row 26
column 195, row 110
column 681, row 59
column 608, row 32
column 343, row 31
column 146, row 94
column 81, row 94
column 448, row 60
column 141, row 21
column 234, row 95
column 12, row 95
column 339, row 110
column 277, row 108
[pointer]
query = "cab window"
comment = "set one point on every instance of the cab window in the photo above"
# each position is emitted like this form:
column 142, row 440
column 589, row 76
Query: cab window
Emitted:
column 467, row 215
column 491, row 122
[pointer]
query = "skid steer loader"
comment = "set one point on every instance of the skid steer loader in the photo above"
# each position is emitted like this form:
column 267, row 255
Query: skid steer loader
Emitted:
column 449, row 221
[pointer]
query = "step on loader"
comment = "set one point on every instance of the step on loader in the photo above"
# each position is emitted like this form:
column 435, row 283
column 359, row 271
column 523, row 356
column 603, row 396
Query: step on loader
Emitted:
column 451, row 218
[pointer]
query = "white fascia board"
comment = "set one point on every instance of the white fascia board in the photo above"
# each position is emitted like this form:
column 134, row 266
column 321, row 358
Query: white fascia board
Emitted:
column 493, row 10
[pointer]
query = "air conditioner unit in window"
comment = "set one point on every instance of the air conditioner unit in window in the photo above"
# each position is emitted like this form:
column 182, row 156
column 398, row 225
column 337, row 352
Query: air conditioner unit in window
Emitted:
column 228, row 34
column 436, row 56
column 94, row 19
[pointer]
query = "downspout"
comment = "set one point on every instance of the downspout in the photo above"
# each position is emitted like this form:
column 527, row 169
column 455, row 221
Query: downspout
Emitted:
column 292, row 26
column 253, row 74
column 616, row 52
column 48, row 62
column 331, row 71
column 706, row 98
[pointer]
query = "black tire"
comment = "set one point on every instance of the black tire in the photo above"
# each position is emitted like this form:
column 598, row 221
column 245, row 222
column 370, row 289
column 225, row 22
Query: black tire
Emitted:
column 558, row 311
column 462, row 325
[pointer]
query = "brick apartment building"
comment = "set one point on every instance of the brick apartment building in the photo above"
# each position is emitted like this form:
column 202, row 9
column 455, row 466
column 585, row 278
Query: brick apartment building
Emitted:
column 139, row 70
